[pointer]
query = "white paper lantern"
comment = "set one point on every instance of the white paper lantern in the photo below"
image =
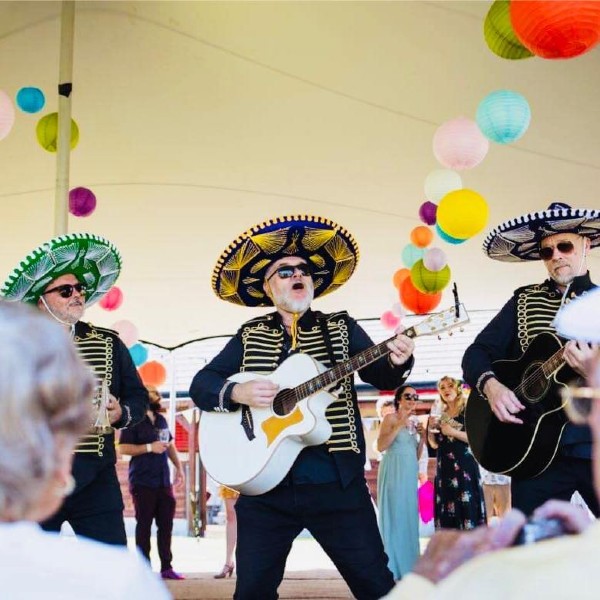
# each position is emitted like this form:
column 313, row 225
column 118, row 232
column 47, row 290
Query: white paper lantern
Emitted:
column 441, row 181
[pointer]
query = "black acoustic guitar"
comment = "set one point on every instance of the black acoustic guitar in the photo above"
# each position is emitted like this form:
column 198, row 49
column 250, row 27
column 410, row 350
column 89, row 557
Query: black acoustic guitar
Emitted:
column 536, row 378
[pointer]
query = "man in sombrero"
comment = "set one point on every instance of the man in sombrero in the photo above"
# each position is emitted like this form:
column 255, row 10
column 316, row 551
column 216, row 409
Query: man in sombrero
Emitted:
column 63, row 277
column 561, row 237
column 285, row 263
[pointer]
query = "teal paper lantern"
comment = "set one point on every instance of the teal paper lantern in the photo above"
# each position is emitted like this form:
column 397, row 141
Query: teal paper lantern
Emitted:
column 411, row 254
column 30, row 99
column 139, row 354
column 503, row 116
column 447, row 238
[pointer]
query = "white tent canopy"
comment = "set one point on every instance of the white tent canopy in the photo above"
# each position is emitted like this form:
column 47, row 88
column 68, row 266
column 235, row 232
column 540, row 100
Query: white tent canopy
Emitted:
column 200, row 119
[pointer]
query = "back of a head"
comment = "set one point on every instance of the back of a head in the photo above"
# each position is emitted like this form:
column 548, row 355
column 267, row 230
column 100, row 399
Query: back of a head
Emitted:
column 45, row 400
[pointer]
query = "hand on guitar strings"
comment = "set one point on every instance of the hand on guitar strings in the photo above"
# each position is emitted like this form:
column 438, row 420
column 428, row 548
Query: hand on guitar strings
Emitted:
column 503, row 402
column 578, row 354
column 257, row 393
column 401, row 349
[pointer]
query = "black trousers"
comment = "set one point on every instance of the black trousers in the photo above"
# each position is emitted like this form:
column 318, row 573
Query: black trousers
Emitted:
column 94, row 511
column 560, row 480
column 342, row 521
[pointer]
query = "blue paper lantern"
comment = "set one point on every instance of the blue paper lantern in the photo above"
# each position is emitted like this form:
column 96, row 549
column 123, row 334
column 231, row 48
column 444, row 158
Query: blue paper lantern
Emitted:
column 139, row 354
column 30, row 99
column 503, row 116
column 447, row 238
column 411, row 254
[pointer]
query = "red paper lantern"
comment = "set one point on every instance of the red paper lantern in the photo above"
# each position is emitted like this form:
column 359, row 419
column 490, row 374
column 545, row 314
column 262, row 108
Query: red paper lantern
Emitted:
column 417, row 301
column 421, row 236
column 112, row 300
column 153, row 373
column 556, row 28
column 399, row 276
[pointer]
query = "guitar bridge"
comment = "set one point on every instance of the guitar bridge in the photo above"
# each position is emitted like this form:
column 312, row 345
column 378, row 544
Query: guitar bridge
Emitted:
column 247, row 422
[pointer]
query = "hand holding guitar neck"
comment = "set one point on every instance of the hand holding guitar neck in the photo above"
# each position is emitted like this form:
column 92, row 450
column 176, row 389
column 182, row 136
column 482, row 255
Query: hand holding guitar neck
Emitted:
column 503, row 402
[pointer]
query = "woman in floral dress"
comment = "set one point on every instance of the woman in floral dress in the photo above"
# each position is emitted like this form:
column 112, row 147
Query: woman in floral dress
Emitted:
column 459, row 502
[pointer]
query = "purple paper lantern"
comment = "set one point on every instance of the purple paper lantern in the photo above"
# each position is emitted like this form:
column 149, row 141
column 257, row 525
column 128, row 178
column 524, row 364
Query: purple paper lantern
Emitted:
column 427, row 212
column 82, row 202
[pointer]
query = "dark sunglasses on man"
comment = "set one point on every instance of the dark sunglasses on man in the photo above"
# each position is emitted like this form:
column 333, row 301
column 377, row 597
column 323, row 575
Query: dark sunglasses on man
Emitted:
column 286, row 271
column 565, row 247
column 66, row 290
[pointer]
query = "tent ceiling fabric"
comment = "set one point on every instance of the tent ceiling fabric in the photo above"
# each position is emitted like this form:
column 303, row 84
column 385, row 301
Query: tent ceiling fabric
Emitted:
column 200, row 119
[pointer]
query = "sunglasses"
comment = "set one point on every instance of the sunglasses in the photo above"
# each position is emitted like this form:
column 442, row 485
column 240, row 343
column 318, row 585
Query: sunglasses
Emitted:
column 410, row 396
column 286, row 271
column 66, row 290
column 563, row 247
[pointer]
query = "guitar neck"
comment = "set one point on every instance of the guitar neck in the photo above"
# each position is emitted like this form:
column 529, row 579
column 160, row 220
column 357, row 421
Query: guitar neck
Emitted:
column 347, row 367
column 555, row 362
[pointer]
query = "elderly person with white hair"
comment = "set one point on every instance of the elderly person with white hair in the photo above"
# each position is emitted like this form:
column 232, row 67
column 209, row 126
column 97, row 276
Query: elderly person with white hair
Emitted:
column 45, row 395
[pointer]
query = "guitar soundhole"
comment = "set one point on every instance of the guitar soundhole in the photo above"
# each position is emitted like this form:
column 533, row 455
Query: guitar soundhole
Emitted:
column 284, row 403
column 534, row 383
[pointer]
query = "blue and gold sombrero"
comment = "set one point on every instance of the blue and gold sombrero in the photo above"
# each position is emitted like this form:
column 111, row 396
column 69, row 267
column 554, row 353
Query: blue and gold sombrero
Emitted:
column 92, row 259
column 329, row 249
column 519, row 239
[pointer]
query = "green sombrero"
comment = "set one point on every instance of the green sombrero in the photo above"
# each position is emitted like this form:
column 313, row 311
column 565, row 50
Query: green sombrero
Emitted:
column 328, row 248
column 92, row 259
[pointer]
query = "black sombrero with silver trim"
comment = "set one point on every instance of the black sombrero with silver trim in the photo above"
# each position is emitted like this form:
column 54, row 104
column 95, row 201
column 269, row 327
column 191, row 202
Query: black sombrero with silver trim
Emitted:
column 328, row 248
column 92, row 259
column 519, row 239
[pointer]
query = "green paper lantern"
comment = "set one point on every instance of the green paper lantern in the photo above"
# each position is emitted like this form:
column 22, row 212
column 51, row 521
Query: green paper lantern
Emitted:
column 47, row 132
column 427, row 281
column 499, row 33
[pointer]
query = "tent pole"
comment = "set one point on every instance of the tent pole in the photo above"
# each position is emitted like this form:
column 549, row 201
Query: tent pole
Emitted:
column 65, row 87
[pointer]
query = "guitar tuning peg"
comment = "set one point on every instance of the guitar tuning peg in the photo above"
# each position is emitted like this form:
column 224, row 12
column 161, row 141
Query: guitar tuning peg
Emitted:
column 462, row 329
column 450, row 333
column 439, row 337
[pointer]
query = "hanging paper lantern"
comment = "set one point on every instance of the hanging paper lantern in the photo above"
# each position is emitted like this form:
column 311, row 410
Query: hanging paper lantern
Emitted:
column 462, row 214
column 429, row 281
column 458, row 144
column 82, row 202
column 139, row 354
column 112, row 299
column 427, row 212
column 439, row 182
column 30, row 99
column 411, row 254
column 47, row 132
column 499, row 34
column 7, row 114
column 503, row 116
column 398, row 310
column 435, row 259
column 556, row 28
column 153, row 373
column 448, row 238
column 127, row 331
column 399, row 276
column 421, row 236
column 417, row 301
column 389, row 320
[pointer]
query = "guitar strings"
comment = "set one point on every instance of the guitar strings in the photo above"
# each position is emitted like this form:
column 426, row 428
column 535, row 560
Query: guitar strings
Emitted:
column 538, row 375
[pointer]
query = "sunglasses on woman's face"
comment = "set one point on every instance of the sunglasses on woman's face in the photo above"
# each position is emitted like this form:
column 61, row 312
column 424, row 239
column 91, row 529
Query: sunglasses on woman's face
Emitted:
column 408, row 396
column 286, row 271
column 563, row 247
column 66, row 290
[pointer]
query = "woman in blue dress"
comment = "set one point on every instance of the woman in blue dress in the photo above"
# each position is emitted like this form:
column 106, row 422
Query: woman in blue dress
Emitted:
column 400, row 439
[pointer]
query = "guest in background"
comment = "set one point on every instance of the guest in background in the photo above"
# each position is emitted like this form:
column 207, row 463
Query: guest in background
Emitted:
column 229, row 497
column 459, row 500
column 149, row 443
column 46, row 397
column 496, row 493
column 400, row 440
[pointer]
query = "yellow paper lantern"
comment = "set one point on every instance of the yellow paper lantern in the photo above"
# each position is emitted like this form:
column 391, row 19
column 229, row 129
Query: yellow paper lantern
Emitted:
column 47, row 132
column 462, row 213
column 427, row 281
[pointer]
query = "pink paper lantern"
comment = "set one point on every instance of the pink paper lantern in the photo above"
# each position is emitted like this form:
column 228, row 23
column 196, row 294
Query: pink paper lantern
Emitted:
column 127, row 331
column 112, row 300
column 389, row 320
column 7, row 114
column 435, row 259
column 459, row 144
column 82, row 202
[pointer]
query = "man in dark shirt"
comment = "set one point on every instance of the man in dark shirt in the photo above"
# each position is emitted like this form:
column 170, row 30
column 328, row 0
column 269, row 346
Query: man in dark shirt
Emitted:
column 286, row 262
column 63, row 277
column 561, row 237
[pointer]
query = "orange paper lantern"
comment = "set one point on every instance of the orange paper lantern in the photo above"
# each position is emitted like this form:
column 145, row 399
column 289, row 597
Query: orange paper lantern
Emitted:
column 417, row 301
column 153, row 373
column 421, row 236
column 556, row 28
column 399, row 276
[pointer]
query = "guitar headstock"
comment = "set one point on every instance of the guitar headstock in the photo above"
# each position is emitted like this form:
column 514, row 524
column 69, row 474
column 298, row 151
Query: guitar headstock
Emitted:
column 442, row 321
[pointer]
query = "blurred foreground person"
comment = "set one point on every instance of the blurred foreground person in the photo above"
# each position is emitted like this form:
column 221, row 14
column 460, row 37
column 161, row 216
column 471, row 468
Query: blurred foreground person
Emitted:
column 45, row 395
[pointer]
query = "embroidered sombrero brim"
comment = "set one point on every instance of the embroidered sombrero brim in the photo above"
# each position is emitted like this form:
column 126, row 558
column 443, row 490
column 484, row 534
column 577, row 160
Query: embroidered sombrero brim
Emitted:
column 578, row 320
column 92, row 259
column 519, row 239
column 329, row 249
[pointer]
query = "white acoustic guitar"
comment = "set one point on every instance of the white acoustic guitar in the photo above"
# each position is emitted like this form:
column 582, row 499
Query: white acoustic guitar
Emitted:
column 252, row 449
